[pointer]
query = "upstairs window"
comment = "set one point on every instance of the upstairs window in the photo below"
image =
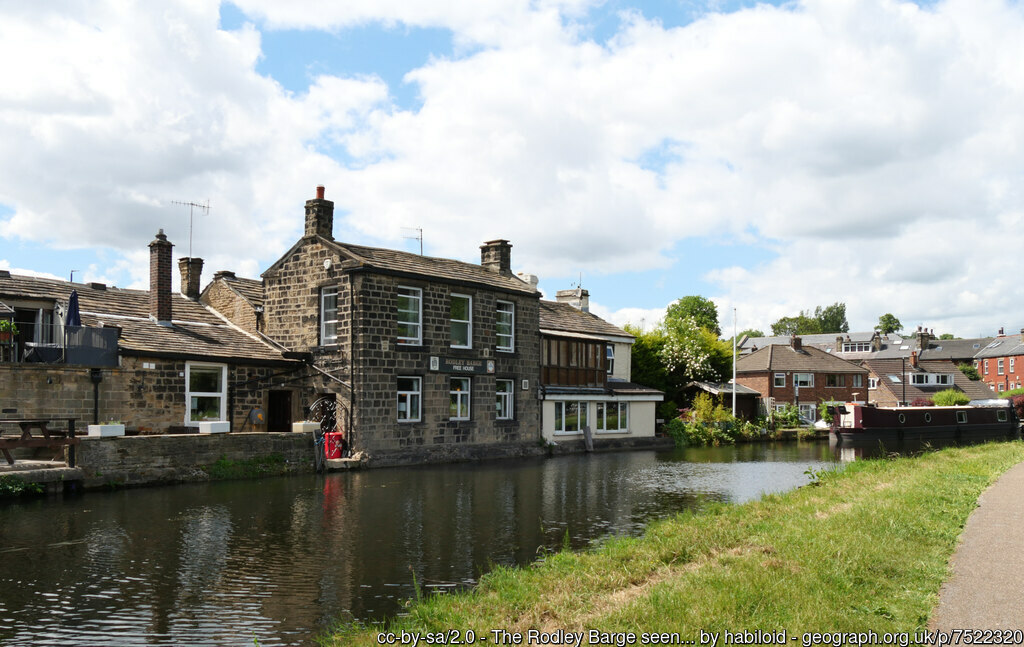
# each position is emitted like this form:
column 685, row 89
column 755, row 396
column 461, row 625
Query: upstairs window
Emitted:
column 328, row 316
column 803, row 380
column 999, row 366
column 410, row 315
column 779, row 380
column 505, row 325
column 833, row 380
column 1011, row 365
column 872, row 382
column 858, row 381
column 610, row 358
column 461, row 321
column 856, row 346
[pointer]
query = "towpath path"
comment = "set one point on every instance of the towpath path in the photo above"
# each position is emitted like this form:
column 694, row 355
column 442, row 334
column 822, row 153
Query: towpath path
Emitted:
column 986, row 590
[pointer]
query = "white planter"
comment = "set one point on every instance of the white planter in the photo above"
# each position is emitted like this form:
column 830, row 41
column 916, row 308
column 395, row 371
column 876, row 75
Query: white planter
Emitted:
column 305, row 426
column 217, row 427
column 106, row 430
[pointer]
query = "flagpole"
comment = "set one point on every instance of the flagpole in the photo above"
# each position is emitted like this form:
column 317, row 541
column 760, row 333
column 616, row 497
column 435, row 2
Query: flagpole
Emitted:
column 734, row 361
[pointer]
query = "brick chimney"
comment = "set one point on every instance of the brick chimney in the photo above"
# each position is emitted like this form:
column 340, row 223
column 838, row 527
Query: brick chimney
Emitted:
column 796, row 342
column 320, row 216
column 576, row 297
column 913, row 359
column 160, row 279
column 496, row 255
column 191, row 271
column 923, row 338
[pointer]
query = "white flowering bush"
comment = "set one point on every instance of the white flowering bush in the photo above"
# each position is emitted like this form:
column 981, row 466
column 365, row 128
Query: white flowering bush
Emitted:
column 688, row 351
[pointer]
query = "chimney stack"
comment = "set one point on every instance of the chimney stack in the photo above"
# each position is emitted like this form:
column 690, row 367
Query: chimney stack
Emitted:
column 496, row 255
column 191, row 271
column 796, row 342
column 913, row 359
column 160, row 279
column 576, row 297
column 320, row 216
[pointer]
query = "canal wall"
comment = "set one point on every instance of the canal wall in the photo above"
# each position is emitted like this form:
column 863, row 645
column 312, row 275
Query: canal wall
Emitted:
column 154, row 460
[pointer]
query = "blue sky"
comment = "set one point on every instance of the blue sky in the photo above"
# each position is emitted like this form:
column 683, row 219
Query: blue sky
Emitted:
column 770, row 156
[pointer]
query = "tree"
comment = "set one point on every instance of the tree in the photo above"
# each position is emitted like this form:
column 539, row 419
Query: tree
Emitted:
column 686, row 351
column 947, row 335
column 646, row 366
column 750, row 332
column 798, row 325
column 950, row 398
column 832, row 318
column 888, row 324
column 702, row 310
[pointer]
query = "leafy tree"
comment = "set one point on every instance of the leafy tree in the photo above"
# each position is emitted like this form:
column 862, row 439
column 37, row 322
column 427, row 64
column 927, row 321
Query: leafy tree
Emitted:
column 703, row 311
column 646, row 366
column 832, row 318
column 968, row 369
column 888, row 323
column 686, row 351
column 750, row 332
column 802, row 324
column 947, row 335
column 950, row 397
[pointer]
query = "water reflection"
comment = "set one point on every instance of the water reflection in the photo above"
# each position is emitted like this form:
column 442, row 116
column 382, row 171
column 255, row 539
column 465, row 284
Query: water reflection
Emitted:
column 279, row 559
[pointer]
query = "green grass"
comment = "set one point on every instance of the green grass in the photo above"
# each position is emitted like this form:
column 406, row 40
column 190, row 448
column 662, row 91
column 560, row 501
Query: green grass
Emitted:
column 864, row 548
column 224, row 469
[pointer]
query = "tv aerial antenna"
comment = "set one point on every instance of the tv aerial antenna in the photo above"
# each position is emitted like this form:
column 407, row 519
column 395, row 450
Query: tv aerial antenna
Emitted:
column 192, row 206
column 418, row 236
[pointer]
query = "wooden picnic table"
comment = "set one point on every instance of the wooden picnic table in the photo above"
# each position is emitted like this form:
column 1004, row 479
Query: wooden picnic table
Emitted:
column 47, row 438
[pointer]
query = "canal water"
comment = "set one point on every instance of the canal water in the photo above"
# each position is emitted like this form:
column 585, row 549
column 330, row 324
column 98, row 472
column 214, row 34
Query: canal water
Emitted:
column 279, row 559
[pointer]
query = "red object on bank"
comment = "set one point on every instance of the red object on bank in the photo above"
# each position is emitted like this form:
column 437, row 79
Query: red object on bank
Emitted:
column 332, row 444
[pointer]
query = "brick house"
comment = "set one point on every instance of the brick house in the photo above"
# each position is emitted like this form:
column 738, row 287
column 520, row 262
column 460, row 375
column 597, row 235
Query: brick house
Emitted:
column 999, row 363
column 896, row 380
column 585, row 375
column 155, row 360
column 421, row 355
column 804, row 376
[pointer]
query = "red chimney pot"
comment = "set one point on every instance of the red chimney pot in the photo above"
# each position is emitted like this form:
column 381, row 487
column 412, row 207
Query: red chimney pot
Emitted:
column 320, row 192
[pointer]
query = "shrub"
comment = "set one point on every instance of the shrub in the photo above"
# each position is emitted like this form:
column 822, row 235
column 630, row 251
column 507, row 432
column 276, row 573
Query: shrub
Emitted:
column 1011, row 393
column 969, row 370
column 950, row 398
column 668, row 410
column 1018, row 405
column 922, row 402
column 787, row 417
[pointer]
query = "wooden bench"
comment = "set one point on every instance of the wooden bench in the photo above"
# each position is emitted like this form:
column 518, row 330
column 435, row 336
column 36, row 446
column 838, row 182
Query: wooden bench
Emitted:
column 47, row 437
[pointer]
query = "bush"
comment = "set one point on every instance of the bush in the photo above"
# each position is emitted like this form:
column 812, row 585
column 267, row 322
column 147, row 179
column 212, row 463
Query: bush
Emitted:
column 969, row 370
column 668, row 410
column 786, row 418
column 922, row 402
column 695, row 433
column 1011, row 393
column 950, row 398
column 1018, row 405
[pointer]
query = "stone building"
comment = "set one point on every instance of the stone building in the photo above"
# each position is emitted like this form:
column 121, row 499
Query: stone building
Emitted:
column 585, row 376
column 426, row 356
column 153, row 360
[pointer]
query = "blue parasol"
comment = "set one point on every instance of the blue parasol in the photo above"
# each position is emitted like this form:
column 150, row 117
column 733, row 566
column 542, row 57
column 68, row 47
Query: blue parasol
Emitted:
column 74, row 317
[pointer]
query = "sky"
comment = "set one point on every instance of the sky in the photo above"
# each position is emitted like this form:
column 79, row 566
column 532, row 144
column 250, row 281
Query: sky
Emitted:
column 772, row 157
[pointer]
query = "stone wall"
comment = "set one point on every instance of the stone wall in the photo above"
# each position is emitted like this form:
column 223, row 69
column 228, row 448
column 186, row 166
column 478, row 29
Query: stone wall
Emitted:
column 219, row 296
column 150, row 460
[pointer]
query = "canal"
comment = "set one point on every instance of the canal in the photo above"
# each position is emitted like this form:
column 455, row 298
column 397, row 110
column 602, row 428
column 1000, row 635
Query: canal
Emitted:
column 279, row 559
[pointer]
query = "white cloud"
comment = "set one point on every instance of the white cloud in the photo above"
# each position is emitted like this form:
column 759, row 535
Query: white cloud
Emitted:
column 872, row 143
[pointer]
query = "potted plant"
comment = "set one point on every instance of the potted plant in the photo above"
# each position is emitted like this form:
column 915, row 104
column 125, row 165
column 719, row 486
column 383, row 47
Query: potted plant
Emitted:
column 7, row 329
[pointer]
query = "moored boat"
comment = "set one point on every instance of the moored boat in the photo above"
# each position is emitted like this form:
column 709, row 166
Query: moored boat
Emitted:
column 979, row 420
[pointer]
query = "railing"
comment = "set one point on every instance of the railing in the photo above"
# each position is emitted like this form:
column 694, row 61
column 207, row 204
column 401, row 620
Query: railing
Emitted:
column 56, row 344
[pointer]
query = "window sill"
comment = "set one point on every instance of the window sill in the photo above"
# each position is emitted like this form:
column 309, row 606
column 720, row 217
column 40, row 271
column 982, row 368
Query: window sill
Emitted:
column 567, row 433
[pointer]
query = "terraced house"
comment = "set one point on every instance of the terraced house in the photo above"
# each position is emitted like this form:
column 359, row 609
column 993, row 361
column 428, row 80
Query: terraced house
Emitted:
column 425, row 356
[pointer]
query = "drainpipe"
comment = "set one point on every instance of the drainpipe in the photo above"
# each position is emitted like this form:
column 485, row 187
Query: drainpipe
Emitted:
column 96, row 375
column 351, row 363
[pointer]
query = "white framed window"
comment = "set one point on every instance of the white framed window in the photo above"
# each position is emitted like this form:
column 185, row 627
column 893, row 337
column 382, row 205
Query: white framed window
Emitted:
column 835, row 380
column 872, row 383
column 328, row 316
column 462, row 321
column 858, row 381
column 999, row 366
column 206, row 392
column 1011, row 365
column 505, row 326
column 986, row 367
column 609, row 355
column 780, row 380
column 570, row 417
column 504, row 401
column 961, row 417
column 809, row 412
column 856, row 346
column 459, row 390
column 410, row 315
column 803, row 379
column 613, row 417
column 410, row 390
column 1002, row 387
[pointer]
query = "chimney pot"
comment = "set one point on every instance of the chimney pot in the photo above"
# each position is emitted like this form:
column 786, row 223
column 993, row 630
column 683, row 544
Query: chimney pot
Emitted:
column 320, row 216
column 913, row 358
column 319, row 192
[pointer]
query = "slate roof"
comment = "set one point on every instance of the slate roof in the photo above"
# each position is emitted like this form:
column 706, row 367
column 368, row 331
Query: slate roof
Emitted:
column 1002, row 347
column 249, row 289
column 883, row 368
column 427, row 266
column 785, row 358
column 196, row 331
column 562, row 317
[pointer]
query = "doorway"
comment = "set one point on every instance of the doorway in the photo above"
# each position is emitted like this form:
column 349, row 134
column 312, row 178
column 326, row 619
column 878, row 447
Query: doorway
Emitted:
column 279, row 411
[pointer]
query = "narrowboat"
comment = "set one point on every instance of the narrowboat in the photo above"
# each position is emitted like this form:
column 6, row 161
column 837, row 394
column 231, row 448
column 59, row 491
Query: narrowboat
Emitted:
column 860, row 424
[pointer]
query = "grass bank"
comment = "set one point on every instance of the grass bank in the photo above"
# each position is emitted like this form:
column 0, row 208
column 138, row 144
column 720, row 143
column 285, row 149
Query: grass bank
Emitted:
column 865, row 548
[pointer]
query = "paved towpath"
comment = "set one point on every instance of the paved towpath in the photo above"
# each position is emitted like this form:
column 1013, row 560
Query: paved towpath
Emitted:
column 986, row 590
